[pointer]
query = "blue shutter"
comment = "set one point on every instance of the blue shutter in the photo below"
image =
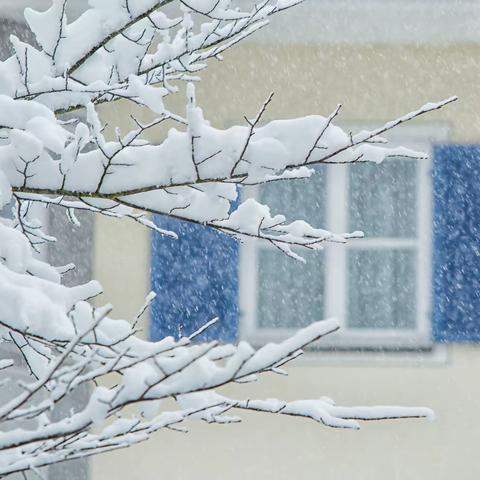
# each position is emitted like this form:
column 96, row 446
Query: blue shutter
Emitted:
column 456, row 308
column 196, row 279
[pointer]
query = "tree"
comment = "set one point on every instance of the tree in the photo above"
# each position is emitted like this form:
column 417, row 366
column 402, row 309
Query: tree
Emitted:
column 132, row 51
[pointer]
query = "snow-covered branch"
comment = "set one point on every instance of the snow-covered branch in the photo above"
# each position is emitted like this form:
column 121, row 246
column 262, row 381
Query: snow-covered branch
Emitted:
column 133, row 50
column 194, row 174
column 86, row 345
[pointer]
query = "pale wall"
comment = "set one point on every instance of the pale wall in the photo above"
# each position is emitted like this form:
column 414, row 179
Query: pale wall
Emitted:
column 374, row 83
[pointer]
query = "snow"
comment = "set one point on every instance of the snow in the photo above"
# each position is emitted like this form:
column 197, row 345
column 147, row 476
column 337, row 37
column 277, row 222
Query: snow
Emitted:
column 134, row 52
column 5, row 363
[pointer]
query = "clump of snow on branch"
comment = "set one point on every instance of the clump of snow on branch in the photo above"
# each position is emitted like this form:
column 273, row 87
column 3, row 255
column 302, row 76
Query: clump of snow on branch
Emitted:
column 132, row 50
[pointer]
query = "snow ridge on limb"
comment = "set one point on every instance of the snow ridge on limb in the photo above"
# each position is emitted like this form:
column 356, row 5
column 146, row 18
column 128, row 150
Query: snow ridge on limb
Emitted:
column 134, row 51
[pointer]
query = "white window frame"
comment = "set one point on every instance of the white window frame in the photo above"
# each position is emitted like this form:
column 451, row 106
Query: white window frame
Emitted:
column 418, row 138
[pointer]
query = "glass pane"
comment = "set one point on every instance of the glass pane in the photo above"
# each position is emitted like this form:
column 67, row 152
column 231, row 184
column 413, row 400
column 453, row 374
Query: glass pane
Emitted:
column 382, row 289
column 383, row 198
column 298, row 199
column 290, row 293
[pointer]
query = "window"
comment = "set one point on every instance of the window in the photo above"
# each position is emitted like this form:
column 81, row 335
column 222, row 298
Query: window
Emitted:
column 378, row 287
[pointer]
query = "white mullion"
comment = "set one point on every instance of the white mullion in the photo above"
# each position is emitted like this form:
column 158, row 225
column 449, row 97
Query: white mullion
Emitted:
column 336, row 255
column 248, row 281
column 424, row 251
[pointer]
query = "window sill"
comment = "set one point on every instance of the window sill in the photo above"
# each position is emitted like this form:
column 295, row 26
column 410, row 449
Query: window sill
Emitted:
column 435, row 356
column 412, row 352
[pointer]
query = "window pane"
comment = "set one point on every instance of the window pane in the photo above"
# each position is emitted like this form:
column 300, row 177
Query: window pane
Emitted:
column 383, row 198
column 298, row 199
column 382, row 286
column 290, row 293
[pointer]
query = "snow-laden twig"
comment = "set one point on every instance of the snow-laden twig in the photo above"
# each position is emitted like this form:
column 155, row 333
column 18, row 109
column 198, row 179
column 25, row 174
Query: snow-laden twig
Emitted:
column 134, row 52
